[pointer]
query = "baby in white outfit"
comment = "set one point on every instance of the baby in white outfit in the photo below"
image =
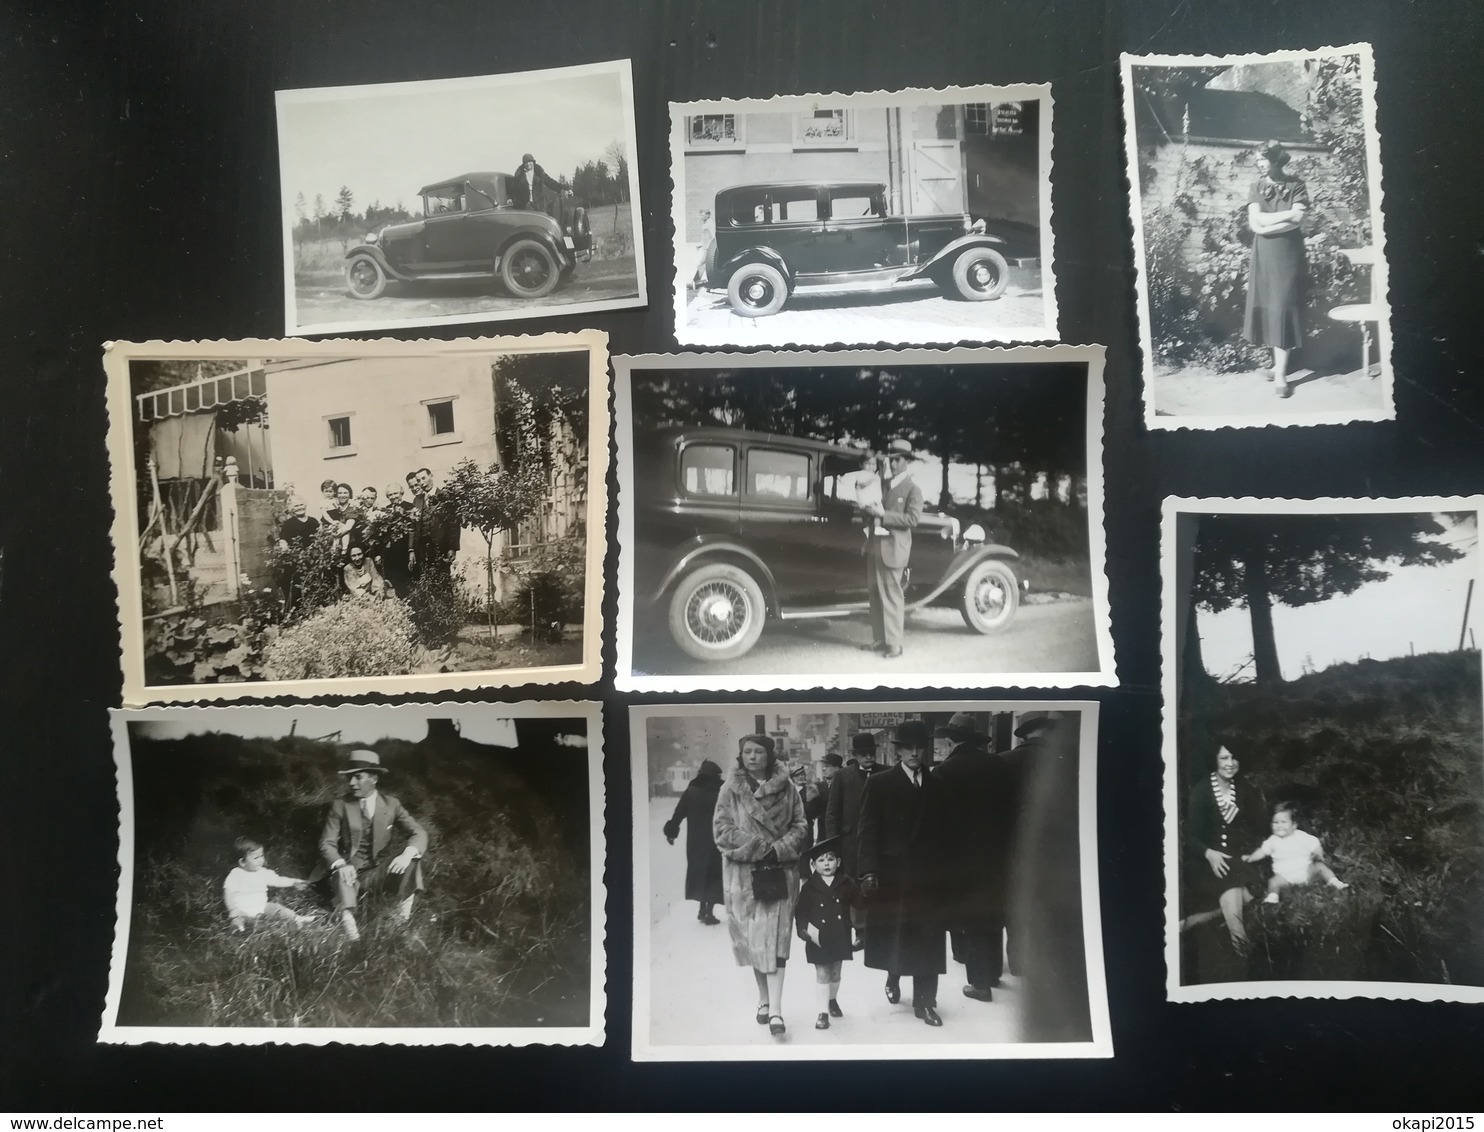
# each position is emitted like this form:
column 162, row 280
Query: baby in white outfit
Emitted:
column 1297, row 856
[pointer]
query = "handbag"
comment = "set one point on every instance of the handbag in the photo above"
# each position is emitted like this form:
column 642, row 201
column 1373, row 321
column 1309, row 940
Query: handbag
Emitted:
column 768, row 884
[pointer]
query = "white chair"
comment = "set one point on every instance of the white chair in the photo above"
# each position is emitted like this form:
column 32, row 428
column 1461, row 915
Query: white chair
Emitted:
column 1363, row 313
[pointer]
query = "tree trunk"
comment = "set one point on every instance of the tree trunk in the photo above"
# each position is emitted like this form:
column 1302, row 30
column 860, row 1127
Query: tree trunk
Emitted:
column 489, row 593
column 979, row 487
column 945, row 500
column 1260, row 606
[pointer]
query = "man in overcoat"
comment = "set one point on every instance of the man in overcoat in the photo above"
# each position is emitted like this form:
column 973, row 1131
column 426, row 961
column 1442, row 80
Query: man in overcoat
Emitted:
column 843, row 807
column 889, row 551
column 356, row 843
column 901, row 864
column 978, row 829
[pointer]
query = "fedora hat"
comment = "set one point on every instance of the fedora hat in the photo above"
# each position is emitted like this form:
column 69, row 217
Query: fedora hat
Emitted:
column 863, row 743
column 960, row 727
column 363, row 760
column 900, row 447
column 912, row 733
column 1031, row 720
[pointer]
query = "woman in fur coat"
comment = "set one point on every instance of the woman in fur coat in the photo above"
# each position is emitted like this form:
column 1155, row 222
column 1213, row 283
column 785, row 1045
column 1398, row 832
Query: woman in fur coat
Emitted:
column 759, row 821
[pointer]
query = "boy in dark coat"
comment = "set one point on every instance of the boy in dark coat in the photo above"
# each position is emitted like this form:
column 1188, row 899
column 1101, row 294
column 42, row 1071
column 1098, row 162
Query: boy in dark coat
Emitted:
column 822, row 917
column 702, row 861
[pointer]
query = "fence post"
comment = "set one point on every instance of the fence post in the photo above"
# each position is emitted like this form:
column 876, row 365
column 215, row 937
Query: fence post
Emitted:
column 231, row 551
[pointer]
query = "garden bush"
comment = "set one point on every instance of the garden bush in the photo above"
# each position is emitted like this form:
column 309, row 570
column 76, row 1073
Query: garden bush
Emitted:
column 350, row 638
column 437, row 607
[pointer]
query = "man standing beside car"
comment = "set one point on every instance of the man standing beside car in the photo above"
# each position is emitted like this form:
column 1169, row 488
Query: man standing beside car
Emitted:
column 527, row 180
column 889, row 551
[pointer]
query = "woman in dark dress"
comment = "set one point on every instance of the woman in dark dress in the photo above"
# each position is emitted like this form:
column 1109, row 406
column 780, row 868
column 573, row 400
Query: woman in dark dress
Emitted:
column 702, row 860
column 1278, row 274
column 1225, row 818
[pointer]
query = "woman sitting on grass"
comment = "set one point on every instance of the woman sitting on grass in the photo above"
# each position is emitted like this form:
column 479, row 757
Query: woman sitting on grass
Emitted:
column 1297, row 855
column 1224, row 820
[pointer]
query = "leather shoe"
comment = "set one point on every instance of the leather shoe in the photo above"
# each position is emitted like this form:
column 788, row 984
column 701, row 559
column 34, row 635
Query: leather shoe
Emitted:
column 928, row 1014
column 982, row 994
column 893, row 992
column 835, row 1011
column 822, row 1022
column 891, row 654
column 876, row 646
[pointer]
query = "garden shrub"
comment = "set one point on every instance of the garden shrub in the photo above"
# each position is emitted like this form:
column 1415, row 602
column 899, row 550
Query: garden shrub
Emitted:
column 350, row 638
column 437, row 607
column 542, row 603
column 196, row 648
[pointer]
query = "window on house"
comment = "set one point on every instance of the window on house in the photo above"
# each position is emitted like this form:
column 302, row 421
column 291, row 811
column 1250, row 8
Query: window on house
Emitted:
column 712, row 130
column 440, row 417
column 822, row 127
column 977, row 118
column 339, row 432
column 777, row 475
column 708, row 469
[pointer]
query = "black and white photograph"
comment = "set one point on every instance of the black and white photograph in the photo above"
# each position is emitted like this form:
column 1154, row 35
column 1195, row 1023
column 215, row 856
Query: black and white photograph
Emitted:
column 861, row 520
column 911, row 216
column 460, row 200
column 1262, row 273
column 416, row 874
column 1324, row 749
column 899, row 880
column 300, row 517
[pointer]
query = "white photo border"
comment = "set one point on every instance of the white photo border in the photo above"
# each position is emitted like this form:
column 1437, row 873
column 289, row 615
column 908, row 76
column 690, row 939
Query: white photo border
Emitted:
column 1011, row 92
column 621, row 68
column 117, row 357
column 625, row 680
column 1171, row 602
column 1380, row 285
column 1101, row 1043
column 592, row 1034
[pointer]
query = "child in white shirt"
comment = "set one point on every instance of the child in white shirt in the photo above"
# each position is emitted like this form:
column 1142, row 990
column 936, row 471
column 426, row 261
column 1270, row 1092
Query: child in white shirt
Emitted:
column 1297, row 856
column 246, row 888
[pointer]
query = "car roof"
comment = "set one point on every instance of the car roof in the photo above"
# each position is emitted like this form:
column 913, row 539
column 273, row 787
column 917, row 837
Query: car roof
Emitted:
column 756, row 186
column 722, row 433
column 483, row 181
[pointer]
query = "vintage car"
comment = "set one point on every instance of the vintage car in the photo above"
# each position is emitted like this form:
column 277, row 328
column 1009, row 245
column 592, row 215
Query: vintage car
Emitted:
column 470, row 230
column 775, row 240
column 734, row 528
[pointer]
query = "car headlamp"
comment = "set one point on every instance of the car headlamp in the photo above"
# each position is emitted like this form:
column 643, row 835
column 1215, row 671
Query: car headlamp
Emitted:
column 372, row 237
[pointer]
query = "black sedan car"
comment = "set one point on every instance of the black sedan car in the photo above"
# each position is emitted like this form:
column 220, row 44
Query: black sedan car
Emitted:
column 470, row 230
column 778, row 239
column 736, row 528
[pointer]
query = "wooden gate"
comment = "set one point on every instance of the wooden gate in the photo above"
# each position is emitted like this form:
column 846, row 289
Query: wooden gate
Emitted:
column 937, row 176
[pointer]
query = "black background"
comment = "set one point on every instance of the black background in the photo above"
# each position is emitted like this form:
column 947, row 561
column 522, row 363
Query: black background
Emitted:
column 139, row 183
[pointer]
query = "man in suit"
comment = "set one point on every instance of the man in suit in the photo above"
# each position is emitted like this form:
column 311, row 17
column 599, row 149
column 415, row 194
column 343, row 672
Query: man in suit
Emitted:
column 528, row 179
column 901, row 863
column 356, row 843
column 981, row 802
column 843, row 806
column 889, row 551
column 435, row 529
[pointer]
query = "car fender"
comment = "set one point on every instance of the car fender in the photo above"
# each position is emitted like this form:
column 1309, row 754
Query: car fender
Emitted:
column 950, row 251
column 723, row 275
column 717, row 548
column 963, row 562
column 375, row 252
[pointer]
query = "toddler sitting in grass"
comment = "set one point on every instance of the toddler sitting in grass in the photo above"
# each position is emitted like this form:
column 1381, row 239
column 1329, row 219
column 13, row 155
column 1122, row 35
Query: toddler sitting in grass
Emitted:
column 1297, row 856
column 246, row 888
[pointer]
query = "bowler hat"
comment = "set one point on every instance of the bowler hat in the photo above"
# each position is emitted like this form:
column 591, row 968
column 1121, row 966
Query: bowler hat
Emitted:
column 1030, row 721
column 832, row 759
column 863, row 743
column 960, row 727
column 912, row 733
column 363, row 760
column 900, row 447
column 1274, row 151
column 828, row 845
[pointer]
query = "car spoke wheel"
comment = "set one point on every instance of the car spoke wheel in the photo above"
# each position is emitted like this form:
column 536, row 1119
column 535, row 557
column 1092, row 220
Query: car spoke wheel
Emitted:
column 980, row 274
column 716, row 612
column 364, row 277
column 991, row 596
column 529, row 270
column 756, row 290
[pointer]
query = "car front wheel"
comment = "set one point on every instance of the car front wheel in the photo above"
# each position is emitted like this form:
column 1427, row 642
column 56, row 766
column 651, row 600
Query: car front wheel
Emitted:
column 990, row 598
column 980, row 274
column 364, row 277
column 717, row 612
column 757, row 290
column 529, row 270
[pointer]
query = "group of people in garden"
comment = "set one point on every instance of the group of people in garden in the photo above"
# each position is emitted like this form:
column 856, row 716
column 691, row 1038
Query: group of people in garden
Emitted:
column 378, row 545
column 891, row 858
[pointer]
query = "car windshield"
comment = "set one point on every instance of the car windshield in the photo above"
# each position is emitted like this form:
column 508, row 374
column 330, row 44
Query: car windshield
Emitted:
column 450, row 198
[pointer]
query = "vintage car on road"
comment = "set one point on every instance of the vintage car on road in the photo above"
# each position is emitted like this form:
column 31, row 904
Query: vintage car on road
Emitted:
column 470, row 230
column 734, row 528
column 784, row 238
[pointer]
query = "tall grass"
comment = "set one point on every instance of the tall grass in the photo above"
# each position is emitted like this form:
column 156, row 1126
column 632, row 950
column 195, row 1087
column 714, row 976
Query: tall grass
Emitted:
column 500, row 937
column 1386, row 760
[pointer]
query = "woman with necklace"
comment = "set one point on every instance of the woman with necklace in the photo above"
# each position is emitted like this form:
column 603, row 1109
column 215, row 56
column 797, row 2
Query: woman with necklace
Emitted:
column 1225, row 818
column 1278, row 274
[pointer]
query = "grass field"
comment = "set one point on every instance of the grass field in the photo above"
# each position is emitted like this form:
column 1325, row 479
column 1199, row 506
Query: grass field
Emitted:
column 1386, row 759
column 501, row 937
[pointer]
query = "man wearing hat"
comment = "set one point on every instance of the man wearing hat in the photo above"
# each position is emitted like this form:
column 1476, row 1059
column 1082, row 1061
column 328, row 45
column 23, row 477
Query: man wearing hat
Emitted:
column 889, row 549
column 528, row 178
column 981, row 812
column 843, row 807
column 356, row 843
column 901, row 872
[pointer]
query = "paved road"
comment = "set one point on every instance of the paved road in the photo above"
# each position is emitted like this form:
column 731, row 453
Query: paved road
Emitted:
column 700, row 997
column 1056, row 637
column 1202, row 392
column 322, row 298
column 912, row 312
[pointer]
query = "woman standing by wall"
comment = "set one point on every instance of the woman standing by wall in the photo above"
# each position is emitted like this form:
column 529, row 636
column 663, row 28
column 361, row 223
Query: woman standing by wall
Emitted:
column 1278, row 274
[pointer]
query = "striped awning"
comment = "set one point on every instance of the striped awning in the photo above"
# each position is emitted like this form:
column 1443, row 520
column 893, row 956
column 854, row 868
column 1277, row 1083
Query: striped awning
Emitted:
column 202, row 394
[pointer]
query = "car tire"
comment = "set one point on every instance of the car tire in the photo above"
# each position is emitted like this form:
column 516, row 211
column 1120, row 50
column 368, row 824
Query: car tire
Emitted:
column 980, row 274
column 529, row 270
column 756, row 290
column 364, row 277
column 990, row 596
column 582, row 229
column 716, row 612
